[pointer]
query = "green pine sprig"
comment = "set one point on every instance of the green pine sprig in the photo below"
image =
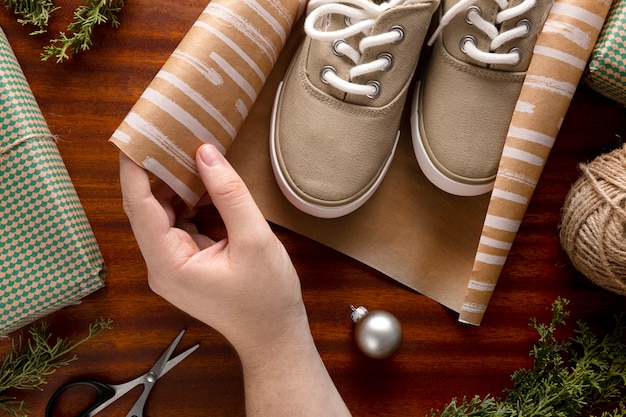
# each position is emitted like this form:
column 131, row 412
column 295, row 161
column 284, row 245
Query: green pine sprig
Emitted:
column 9, row 406
column 78, row 36
column 32, row 12
column 581, row 376
column 27, row 365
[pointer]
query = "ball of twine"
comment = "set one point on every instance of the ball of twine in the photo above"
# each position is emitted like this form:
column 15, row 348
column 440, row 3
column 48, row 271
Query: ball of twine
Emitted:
column 593, row 222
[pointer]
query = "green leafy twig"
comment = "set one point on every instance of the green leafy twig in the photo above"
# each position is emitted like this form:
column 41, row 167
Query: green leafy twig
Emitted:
column 576, row 377
column 9, row 406
column 32, row 12
column 27, row 365
column 78, row 36
column 86, row 18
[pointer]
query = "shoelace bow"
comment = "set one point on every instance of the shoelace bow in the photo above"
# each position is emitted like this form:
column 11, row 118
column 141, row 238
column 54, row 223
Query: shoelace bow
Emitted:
column 360, row 16
column 492, row 30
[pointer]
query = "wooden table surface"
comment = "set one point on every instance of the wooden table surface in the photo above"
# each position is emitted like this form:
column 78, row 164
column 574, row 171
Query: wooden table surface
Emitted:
column 85, row 100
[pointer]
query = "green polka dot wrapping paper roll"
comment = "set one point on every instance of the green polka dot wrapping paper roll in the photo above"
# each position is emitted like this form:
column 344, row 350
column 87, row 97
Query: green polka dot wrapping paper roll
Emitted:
column 49, row 257
column 606, row 72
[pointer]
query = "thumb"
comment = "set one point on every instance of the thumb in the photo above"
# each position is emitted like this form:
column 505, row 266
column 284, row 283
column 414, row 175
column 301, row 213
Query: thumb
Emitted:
column 229, row 194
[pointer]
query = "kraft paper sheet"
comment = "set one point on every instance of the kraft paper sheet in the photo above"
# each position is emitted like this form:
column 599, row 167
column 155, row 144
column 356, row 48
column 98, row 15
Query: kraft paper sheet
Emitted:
column 411, row 231
column 49, row 257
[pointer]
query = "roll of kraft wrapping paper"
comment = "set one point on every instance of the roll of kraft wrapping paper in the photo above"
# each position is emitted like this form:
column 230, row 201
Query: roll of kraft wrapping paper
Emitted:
column 558, row 62
column 205, row 89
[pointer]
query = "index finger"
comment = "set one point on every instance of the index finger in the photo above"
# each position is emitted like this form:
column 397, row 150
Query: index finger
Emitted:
column 240, row 213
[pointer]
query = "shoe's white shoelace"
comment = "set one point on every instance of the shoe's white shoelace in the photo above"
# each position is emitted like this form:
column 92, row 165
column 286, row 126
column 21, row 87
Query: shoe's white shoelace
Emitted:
column 492, row 30
column 361, row 16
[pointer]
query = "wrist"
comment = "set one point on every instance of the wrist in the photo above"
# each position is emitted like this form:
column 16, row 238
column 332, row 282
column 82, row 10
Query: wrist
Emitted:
column 292, row 344
column 287, row 377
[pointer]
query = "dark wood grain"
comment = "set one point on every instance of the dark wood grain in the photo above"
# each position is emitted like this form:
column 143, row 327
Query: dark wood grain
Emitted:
column 85, row 100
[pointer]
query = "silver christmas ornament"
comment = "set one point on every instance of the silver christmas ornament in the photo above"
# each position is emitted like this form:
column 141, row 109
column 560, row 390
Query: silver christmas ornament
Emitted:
column 378, row 333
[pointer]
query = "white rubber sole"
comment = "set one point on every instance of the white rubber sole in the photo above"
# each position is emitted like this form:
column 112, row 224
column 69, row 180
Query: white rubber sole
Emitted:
column 430, row 170
column 317, row 210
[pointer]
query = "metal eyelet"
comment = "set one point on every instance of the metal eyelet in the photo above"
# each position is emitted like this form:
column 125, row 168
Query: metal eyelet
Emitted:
column 387, row 57
column 471, row 9
column 347, row 20
column 400, row 30
column 336, row 43
column 324, row 71
column 378, row 88
column 517, row 51
column 466, row 39
column 527, row 24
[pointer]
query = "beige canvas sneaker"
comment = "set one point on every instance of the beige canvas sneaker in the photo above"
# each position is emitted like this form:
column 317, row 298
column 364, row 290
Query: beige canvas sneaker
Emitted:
column 464, row 102
column 337, row 112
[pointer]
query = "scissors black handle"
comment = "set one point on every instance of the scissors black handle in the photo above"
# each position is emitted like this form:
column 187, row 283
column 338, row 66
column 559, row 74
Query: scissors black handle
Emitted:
column 104, row 392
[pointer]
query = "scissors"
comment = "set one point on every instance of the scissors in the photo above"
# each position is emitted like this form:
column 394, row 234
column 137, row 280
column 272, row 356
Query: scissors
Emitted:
column 107, row 394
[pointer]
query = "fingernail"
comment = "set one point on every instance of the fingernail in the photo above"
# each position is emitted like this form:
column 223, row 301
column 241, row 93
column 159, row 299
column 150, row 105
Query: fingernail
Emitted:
column 210, row 156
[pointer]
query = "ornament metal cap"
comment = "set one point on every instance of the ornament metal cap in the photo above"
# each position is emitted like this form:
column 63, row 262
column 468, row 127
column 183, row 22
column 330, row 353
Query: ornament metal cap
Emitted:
column 358, row 313
column 378, row 334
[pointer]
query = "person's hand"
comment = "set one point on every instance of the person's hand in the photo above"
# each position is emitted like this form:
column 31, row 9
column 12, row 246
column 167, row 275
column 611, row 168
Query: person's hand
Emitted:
column 244, row 286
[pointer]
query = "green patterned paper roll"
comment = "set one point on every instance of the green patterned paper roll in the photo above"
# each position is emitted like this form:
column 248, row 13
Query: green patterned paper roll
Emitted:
column 49, row 257
column 606, row 72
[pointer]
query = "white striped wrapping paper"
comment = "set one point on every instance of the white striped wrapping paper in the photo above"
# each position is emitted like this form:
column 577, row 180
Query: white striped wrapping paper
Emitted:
column 559, row 58
column 205, row 89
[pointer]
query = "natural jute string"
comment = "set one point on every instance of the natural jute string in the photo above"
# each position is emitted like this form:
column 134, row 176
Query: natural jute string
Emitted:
column 593, row 223
column 23, row 139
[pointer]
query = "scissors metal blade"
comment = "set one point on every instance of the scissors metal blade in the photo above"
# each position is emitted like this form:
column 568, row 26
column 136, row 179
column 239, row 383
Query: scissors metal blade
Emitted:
column 159, row 366
column 152, row 376
column 169, row 364
column 178, row 359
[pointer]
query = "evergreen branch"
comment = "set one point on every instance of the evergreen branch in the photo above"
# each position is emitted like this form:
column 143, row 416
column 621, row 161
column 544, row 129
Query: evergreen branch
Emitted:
column 9, row 406
column 32, row 12
column 86, row 18
column 27, row 365
column 576, row 377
